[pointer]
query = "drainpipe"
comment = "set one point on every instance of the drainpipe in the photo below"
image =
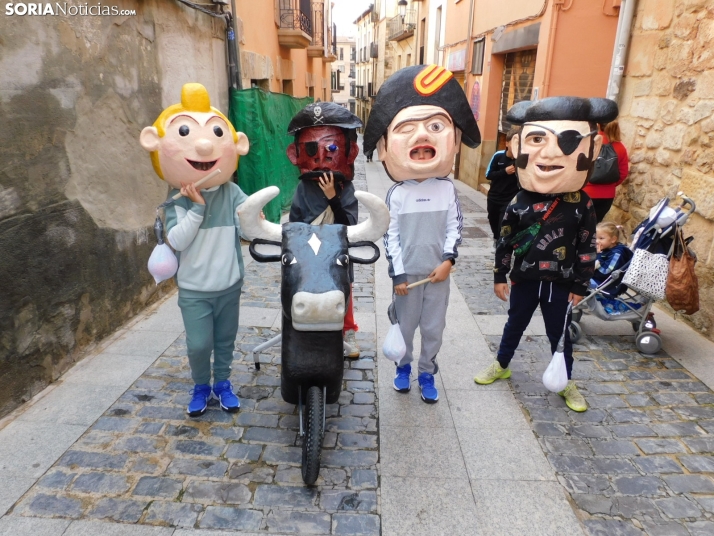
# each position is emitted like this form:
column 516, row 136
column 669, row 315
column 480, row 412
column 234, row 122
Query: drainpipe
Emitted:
column 234, row 72
column 619, row 54
column 467, row 68
column 551, row 45
column 469, row 45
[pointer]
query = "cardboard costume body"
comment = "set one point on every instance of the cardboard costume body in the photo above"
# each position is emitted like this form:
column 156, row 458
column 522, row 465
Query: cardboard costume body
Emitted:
column 548, row 231
column 418, row 122
column 187, row 142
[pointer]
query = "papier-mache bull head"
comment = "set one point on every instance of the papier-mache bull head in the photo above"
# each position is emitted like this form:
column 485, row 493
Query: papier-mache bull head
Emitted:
column 315, row 259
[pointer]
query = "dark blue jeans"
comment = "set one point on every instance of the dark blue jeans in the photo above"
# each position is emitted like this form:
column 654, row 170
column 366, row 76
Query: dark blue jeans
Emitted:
column 525, row 297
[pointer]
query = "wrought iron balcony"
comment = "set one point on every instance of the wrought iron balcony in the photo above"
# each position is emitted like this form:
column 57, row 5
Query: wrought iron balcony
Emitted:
column 317, row 47
column 295, row 27
column 399, row 27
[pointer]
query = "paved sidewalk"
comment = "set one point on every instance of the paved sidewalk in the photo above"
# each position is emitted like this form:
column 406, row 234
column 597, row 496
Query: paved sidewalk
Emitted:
column 109, row 450
column 510, row 458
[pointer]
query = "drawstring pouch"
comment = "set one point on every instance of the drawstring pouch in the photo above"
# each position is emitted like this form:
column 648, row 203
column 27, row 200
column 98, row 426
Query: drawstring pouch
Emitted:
column 394, row 346
column 555, row 377
column 162, row 262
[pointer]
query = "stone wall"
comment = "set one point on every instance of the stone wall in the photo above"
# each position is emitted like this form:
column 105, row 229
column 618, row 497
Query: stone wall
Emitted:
column 77, row 192
column 667, row 121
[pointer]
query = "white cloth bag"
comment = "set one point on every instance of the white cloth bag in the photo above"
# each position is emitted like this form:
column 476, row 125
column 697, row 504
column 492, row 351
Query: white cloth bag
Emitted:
column 647, row 274
column 394, row 347
column 555, row 377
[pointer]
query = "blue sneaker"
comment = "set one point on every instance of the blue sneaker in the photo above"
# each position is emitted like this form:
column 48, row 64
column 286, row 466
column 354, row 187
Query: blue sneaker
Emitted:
column 429, row 393
column 403, row 379
column 223, row 391
column 201, row 393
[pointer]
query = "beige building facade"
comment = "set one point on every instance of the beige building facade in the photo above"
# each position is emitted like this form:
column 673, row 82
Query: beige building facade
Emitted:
column 344, row 73
column 667, row 120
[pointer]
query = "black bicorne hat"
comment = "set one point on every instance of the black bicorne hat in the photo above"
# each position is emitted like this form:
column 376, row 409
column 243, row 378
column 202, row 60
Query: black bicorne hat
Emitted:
column 594, row 110
column 415, row 86
column 323, row 114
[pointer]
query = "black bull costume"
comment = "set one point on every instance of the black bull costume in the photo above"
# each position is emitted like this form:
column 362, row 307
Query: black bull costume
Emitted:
column 314, row 292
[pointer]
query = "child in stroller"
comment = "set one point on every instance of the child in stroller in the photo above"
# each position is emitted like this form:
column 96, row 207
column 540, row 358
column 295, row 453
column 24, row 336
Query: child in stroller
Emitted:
column 609, row 299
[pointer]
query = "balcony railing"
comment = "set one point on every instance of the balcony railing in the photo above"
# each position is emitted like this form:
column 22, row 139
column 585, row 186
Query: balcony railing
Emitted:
column 295, row 28
column 399, row 27
column 318, row 11
column 294, row 19
column 374, row 50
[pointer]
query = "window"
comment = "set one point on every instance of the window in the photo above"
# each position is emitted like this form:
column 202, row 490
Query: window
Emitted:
column 342, row 54
column 477, row 58
column 409, row 60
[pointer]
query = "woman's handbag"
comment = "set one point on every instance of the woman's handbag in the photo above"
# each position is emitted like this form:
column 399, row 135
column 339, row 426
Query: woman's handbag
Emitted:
column 647, row 274
column 682, row 289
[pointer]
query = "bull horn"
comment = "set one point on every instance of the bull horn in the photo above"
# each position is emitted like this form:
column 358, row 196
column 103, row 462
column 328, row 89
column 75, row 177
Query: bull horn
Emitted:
column 251, row 224
column 376, row 225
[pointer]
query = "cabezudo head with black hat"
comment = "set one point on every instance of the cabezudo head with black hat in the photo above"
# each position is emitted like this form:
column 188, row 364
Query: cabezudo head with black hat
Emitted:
column 325, row 140
column 558, row 141
column 418, row 121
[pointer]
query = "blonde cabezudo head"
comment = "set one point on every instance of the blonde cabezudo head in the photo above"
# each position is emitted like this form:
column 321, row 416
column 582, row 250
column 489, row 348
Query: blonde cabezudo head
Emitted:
column 191, row 138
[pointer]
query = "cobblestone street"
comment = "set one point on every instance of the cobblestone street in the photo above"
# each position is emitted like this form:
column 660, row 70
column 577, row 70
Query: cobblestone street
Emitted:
column 639, row 461
column 144, row 461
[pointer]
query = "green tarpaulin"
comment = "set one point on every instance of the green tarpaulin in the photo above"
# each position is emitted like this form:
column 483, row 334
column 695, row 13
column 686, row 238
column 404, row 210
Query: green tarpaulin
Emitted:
column 264, row 118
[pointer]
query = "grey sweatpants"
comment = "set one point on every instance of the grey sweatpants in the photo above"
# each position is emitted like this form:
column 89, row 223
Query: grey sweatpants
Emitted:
column 211, row 324
column 424, row 307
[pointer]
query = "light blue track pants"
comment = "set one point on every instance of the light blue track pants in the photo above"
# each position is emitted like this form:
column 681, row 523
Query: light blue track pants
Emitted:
column 211, row 325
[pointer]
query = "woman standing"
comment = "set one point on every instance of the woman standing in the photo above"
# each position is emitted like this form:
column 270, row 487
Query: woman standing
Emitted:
column 603, row 194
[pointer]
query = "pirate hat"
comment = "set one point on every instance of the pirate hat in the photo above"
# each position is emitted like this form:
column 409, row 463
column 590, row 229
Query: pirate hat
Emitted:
column 419, row 85
column 593, row 110
column 323, row 114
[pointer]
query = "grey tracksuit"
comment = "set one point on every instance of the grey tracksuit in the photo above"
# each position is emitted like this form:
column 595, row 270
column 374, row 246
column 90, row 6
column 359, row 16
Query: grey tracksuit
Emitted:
column 210, row 276
column 424, row 230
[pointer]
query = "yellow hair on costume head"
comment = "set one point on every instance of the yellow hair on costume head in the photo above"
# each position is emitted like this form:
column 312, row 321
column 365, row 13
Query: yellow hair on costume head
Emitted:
column 194, row 98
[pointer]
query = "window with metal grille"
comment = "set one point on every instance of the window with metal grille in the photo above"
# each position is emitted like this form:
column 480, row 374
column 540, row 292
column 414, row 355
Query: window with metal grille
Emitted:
column 477, row 57
column 518, row 70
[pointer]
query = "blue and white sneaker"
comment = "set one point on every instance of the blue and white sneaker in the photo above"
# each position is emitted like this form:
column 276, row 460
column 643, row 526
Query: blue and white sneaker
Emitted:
column 223, row 391
column 429, row 393
column 201, row 393
column 403, row 379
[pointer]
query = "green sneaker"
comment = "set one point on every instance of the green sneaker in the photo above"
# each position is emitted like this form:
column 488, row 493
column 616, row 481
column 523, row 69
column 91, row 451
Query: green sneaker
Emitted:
column 573, row 399
column 492, row 373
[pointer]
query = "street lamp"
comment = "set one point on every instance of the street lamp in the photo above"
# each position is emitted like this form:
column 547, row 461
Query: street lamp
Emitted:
column 402, row 5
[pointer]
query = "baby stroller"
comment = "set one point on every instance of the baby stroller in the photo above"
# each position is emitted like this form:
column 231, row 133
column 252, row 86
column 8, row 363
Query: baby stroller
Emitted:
column 613, row 300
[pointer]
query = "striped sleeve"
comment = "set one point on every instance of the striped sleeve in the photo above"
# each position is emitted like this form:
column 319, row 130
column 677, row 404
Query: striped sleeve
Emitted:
column 454, row 226
column 392, row 243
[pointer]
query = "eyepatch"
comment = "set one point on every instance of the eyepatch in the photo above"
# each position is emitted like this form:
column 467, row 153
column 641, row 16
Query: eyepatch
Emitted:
column 568, row 140
column 311, row 147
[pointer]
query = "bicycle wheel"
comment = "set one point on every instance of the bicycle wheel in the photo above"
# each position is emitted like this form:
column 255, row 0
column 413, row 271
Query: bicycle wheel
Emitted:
column 312, row 440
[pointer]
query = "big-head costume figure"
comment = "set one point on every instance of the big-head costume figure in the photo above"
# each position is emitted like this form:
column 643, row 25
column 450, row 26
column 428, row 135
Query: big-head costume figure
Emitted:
column 324, row 150
column 187, row 142
column 548, row 231
column 418, row 122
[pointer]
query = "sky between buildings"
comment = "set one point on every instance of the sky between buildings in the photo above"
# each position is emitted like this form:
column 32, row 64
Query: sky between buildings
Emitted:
column 345, row 13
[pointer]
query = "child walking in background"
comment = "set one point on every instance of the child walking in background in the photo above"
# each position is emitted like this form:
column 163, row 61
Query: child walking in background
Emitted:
column 504, row 184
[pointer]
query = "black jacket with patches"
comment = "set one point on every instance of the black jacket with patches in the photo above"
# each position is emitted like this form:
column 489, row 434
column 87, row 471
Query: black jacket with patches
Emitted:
column 563, row 250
